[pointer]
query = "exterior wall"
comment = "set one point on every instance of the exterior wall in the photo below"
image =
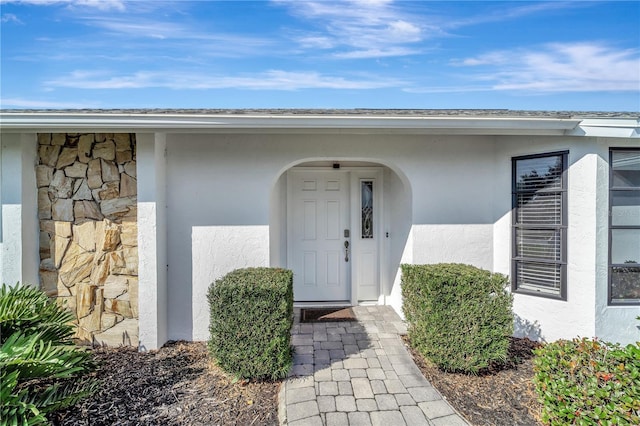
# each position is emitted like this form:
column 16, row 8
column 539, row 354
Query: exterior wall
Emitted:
column 87, row 201
column 152, row 239
column 585, row 312
column 539, row 317
column 18, row 219
column 397, row 211
column 208, row 204
column 447, row 199
column 230, row 182
column 612, row 323
column 227, row 188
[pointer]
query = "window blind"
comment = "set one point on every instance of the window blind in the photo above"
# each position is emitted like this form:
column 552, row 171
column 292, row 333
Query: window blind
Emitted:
column 539, row 228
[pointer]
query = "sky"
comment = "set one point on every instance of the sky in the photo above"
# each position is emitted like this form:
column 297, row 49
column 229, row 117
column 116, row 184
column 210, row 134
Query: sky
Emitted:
column 575, row 55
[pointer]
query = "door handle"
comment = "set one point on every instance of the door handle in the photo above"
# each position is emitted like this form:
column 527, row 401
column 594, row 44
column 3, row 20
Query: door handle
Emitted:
column 346, row 251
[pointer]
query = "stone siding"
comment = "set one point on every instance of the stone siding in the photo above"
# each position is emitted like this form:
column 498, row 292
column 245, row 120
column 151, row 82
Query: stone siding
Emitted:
column 87, row 207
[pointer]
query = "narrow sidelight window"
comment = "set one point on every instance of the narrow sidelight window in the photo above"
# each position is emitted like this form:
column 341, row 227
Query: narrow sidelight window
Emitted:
column 367, row 208
column 624, row 226
column 539, row 225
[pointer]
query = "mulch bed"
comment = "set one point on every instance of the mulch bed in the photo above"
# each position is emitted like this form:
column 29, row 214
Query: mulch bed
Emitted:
column 178, row 385
column 175, row 385
column 501, row 395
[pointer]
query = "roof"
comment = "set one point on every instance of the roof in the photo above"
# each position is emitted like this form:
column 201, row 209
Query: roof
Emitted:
column 342, row 112
column 358, row 121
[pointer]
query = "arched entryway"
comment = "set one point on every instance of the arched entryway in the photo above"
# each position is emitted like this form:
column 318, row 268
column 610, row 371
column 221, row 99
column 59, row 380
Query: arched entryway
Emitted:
column 341, row 225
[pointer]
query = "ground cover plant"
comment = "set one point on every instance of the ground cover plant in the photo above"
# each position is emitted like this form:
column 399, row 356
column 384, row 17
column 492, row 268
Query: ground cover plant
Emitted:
column 458, row 316
column 588, row 382
column 251, row 319
column 41, row 370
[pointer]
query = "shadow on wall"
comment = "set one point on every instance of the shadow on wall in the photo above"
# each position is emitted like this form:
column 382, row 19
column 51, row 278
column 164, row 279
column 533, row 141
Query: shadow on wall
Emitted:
column 524, row 328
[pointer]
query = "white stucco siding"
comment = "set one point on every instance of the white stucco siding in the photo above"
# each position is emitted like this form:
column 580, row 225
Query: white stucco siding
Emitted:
column 19, row 257
column 216, row 251
column 613, row 323
column 586, row 311
column 219, row 202
column 470, row 244
column 222, row 190
column 453, row 213
column 540, row 317
column 398, row 211
column 219, row 190
column 152, row 240
column 11, row 218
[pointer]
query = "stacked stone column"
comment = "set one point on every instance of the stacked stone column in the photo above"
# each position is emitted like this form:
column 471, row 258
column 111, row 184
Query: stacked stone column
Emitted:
column 87, row 206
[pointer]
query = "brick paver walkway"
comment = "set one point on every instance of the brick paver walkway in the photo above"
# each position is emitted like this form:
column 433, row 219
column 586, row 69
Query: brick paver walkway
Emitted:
column 359, row 373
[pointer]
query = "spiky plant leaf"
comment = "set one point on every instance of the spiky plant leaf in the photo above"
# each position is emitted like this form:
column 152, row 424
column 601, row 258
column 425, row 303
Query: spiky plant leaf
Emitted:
column 40, row 368
column 15, row 405
column 28, row 309
column 63, row 394
column 33, row 357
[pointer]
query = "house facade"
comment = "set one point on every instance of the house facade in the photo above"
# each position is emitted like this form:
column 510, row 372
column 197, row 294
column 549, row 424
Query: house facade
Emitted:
column 129, row 216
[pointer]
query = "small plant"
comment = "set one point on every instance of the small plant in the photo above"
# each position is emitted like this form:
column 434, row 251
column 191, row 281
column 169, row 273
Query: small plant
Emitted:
column 251, row 320
column 459, row 316
column 40, row 368
column 588, row 382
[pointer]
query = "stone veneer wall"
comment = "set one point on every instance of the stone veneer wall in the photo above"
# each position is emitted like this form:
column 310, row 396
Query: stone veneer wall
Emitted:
column 87, row 206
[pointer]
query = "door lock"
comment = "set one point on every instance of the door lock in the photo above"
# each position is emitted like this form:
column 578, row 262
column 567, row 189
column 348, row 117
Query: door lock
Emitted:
column 346, row 251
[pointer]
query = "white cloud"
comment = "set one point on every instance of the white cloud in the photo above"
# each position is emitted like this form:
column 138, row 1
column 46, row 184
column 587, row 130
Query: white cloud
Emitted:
column 44, row 104
column 552, row 68
column 101, row 4
column 557, row 67
column 492, row 58
column 180, row 40
column 137, row 27
column 376, row 53
column 98, row 4
column 268, row 80
column 10, row 17
column 404, row 31
column 316, row 42
column 448, row 89
column 383, row 28
column 358, row 28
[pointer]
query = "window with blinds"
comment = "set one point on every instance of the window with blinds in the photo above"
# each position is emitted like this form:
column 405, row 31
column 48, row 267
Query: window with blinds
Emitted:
column 539, row 221
column 624, row 227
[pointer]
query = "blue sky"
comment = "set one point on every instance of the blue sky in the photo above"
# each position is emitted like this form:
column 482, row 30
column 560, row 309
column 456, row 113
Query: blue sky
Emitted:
column 578, row 55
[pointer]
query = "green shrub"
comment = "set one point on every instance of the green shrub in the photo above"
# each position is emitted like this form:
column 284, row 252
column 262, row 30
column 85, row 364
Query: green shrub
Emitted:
column 458, row 316
column 251, row 320
column 40, row 368
column 588, row 382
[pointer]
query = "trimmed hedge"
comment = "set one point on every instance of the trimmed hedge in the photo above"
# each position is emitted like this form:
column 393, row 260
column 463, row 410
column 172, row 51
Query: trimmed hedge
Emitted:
column 251, row 320
column 588, row 382
column 459, row 316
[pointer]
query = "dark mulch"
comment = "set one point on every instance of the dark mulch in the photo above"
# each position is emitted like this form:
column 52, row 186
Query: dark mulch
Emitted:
column 501, row 395
column 328, row 314
column 176, row 385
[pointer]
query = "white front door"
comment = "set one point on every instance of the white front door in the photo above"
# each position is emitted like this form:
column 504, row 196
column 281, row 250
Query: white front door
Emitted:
column 319, row 216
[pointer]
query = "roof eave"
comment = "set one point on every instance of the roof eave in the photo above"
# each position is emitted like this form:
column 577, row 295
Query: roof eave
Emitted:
column 618, row 128
column 48, row 122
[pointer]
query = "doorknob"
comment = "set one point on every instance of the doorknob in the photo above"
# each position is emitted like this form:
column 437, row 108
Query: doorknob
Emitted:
column 346, row 251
